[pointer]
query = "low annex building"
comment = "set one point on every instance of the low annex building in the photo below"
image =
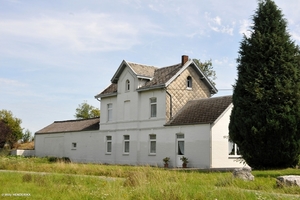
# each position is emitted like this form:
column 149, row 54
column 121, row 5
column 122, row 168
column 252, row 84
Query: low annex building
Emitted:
column 147, row 114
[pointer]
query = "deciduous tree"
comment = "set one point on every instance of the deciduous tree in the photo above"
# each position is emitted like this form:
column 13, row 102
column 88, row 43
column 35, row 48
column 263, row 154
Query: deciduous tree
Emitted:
column 86, row 111
column 207, row 69
column 11, row 127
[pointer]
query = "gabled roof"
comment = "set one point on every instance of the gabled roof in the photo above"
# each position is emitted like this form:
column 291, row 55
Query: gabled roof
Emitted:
column 140, row 70
column 71, row 126
column 157, row 77
column 162, row 75
column 202, row 111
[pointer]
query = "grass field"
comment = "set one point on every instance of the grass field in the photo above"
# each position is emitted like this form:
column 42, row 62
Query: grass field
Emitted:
column 94, row 181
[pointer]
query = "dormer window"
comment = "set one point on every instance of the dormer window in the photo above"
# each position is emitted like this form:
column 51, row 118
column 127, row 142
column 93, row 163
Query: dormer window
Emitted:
column 127, row 86
column 189, row 82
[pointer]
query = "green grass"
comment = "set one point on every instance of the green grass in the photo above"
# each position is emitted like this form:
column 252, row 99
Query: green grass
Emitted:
column 66, row 181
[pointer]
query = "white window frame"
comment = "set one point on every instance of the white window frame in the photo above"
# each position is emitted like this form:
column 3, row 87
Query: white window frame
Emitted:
column 153, row 105
column 189, row 82
column 109, row 112
column 108, row 146
column 152, row 141
column 126, row 143
column 127, row 85
column 180, row 139
column 233, row 149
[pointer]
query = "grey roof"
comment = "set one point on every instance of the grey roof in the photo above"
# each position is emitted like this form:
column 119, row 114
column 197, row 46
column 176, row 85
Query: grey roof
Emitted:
column 162, row 75
column 202, row 111
column 142, row 70
column 157, row 77
column 71, row 126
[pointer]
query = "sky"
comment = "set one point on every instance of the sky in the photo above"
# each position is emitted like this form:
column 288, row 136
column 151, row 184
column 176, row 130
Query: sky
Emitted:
column 55, row 55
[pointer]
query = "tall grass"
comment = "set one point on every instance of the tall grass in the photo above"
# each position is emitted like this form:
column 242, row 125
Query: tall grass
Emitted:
column 137, row 183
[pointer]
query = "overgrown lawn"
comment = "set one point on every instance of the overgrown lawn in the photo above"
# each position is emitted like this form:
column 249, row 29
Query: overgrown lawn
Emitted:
column 69, row 181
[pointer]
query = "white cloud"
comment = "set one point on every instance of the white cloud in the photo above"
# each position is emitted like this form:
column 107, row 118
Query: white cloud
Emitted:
column 245, row 27
column 215, row 24
column 79, row 32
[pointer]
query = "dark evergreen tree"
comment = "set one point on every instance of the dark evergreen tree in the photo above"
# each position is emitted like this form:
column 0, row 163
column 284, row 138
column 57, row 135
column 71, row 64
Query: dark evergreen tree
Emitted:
column 264, row 122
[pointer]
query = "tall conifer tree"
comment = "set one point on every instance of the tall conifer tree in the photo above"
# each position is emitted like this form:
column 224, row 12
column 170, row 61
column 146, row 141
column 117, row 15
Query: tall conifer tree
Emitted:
column 264, row 122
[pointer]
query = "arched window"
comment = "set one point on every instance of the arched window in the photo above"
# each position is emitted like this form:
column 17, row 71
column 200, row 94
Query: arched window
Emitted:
column 127, row 85
column 189, row 82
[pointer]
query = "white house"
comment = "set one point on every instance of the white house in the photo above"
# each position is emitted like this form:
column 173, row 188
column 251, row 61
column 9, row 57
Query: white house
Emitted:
column 147, row 114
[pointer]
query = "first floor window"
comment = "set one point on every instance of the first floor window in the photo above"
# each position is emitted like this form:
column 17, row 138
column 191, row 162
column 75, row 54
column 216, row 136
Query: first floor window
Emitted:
column 108, row 144
column 233, row 149
column 152, row 144
column 153, row 107
column 126, row 143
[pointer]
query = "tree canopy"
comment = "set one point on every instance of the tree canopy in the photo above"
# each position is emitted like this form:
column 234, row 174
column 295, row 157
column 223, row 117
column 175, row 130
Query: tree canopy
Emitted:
column 264, row 122
column 86, row 111
column 10, row 128
column 207, row 69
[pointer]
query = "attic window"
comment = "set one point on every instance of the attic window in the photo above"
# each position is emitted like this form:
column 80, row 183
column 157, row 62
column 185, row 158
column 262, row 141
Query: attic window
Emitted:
column 127, row 86
column 189, row 82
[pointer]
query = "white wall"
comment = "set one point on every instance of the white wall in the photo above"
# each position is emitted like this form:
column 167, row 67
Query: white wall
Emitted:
column 220, row 151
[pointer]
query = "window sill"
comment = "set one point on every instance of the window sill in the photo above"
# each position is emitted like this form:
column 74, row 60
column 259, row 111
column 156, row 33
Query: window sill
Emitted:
column 189, row 88
column 125, row 154
column 73, row 149
column 107, row 153
column 152, row 154
column 234, row 156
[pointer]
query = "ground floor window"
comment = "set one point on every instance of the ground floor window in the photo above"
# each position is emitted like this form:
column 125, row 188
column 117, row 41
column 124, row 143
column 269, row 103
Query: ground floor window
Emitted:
column 108, row 144
column 152, row 144
column 233, row 149
column 126, row 143
column 74, row 145
column 180, row 144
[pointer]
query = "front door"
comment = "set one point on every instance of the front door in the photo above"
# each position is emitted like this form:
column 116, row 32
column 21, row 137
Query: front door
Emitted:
column 179, row 149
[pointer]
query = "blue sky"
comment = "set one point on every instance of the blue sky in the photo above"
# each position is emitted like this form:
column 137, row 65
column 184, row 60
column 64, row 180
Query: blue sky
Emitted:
column 56, row 54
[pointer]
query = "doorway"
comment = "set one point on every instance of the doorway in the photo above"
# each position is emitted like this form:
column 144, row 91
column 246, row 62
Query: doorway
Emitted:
column 179, row 149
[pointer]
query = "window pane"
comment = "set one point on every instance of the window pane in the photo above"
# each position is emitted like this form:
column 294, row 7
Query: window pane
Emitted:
column 153, row 100
column 180, row 136
column 153, row 110
column 153, row 147
column 108, row 147
column 152, row 137
column 126, row 137
column 108, row 137
column 180, row 147
column 126, row 147
column 231, row 148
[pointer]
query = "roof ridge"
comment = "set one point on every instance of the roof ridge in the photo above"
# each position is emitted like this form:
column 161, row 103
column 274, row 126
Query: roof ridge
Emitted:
column 141, row 64
column 74, row 120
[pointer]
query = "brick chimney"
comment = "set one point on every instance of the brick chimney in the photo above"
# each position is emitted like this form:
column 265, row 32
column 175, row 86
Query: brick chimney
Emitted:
column 184, row 59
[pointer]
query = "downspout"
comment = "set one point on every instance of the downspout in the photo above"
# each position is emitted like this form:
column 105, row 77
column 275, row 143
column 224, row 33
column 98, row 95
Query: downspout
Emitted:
column 171, row 107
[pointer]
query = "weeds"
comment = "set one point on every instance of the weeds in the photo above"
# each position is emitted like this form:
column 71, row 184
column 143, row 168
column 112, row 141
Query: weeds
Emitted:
column 138, row 183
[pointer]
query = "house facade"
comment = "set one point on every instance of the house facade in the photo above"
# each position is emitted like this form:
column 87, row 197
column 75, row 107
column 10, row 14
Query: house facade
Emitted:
column 149, row 113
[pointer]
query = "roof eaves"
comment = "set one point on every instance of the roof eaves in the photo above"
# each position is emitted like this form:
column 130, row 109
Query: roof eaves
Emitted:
column 221, row 115
column 151, row 88
column 122, row 66
column 106, row 95
column 145, row 77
